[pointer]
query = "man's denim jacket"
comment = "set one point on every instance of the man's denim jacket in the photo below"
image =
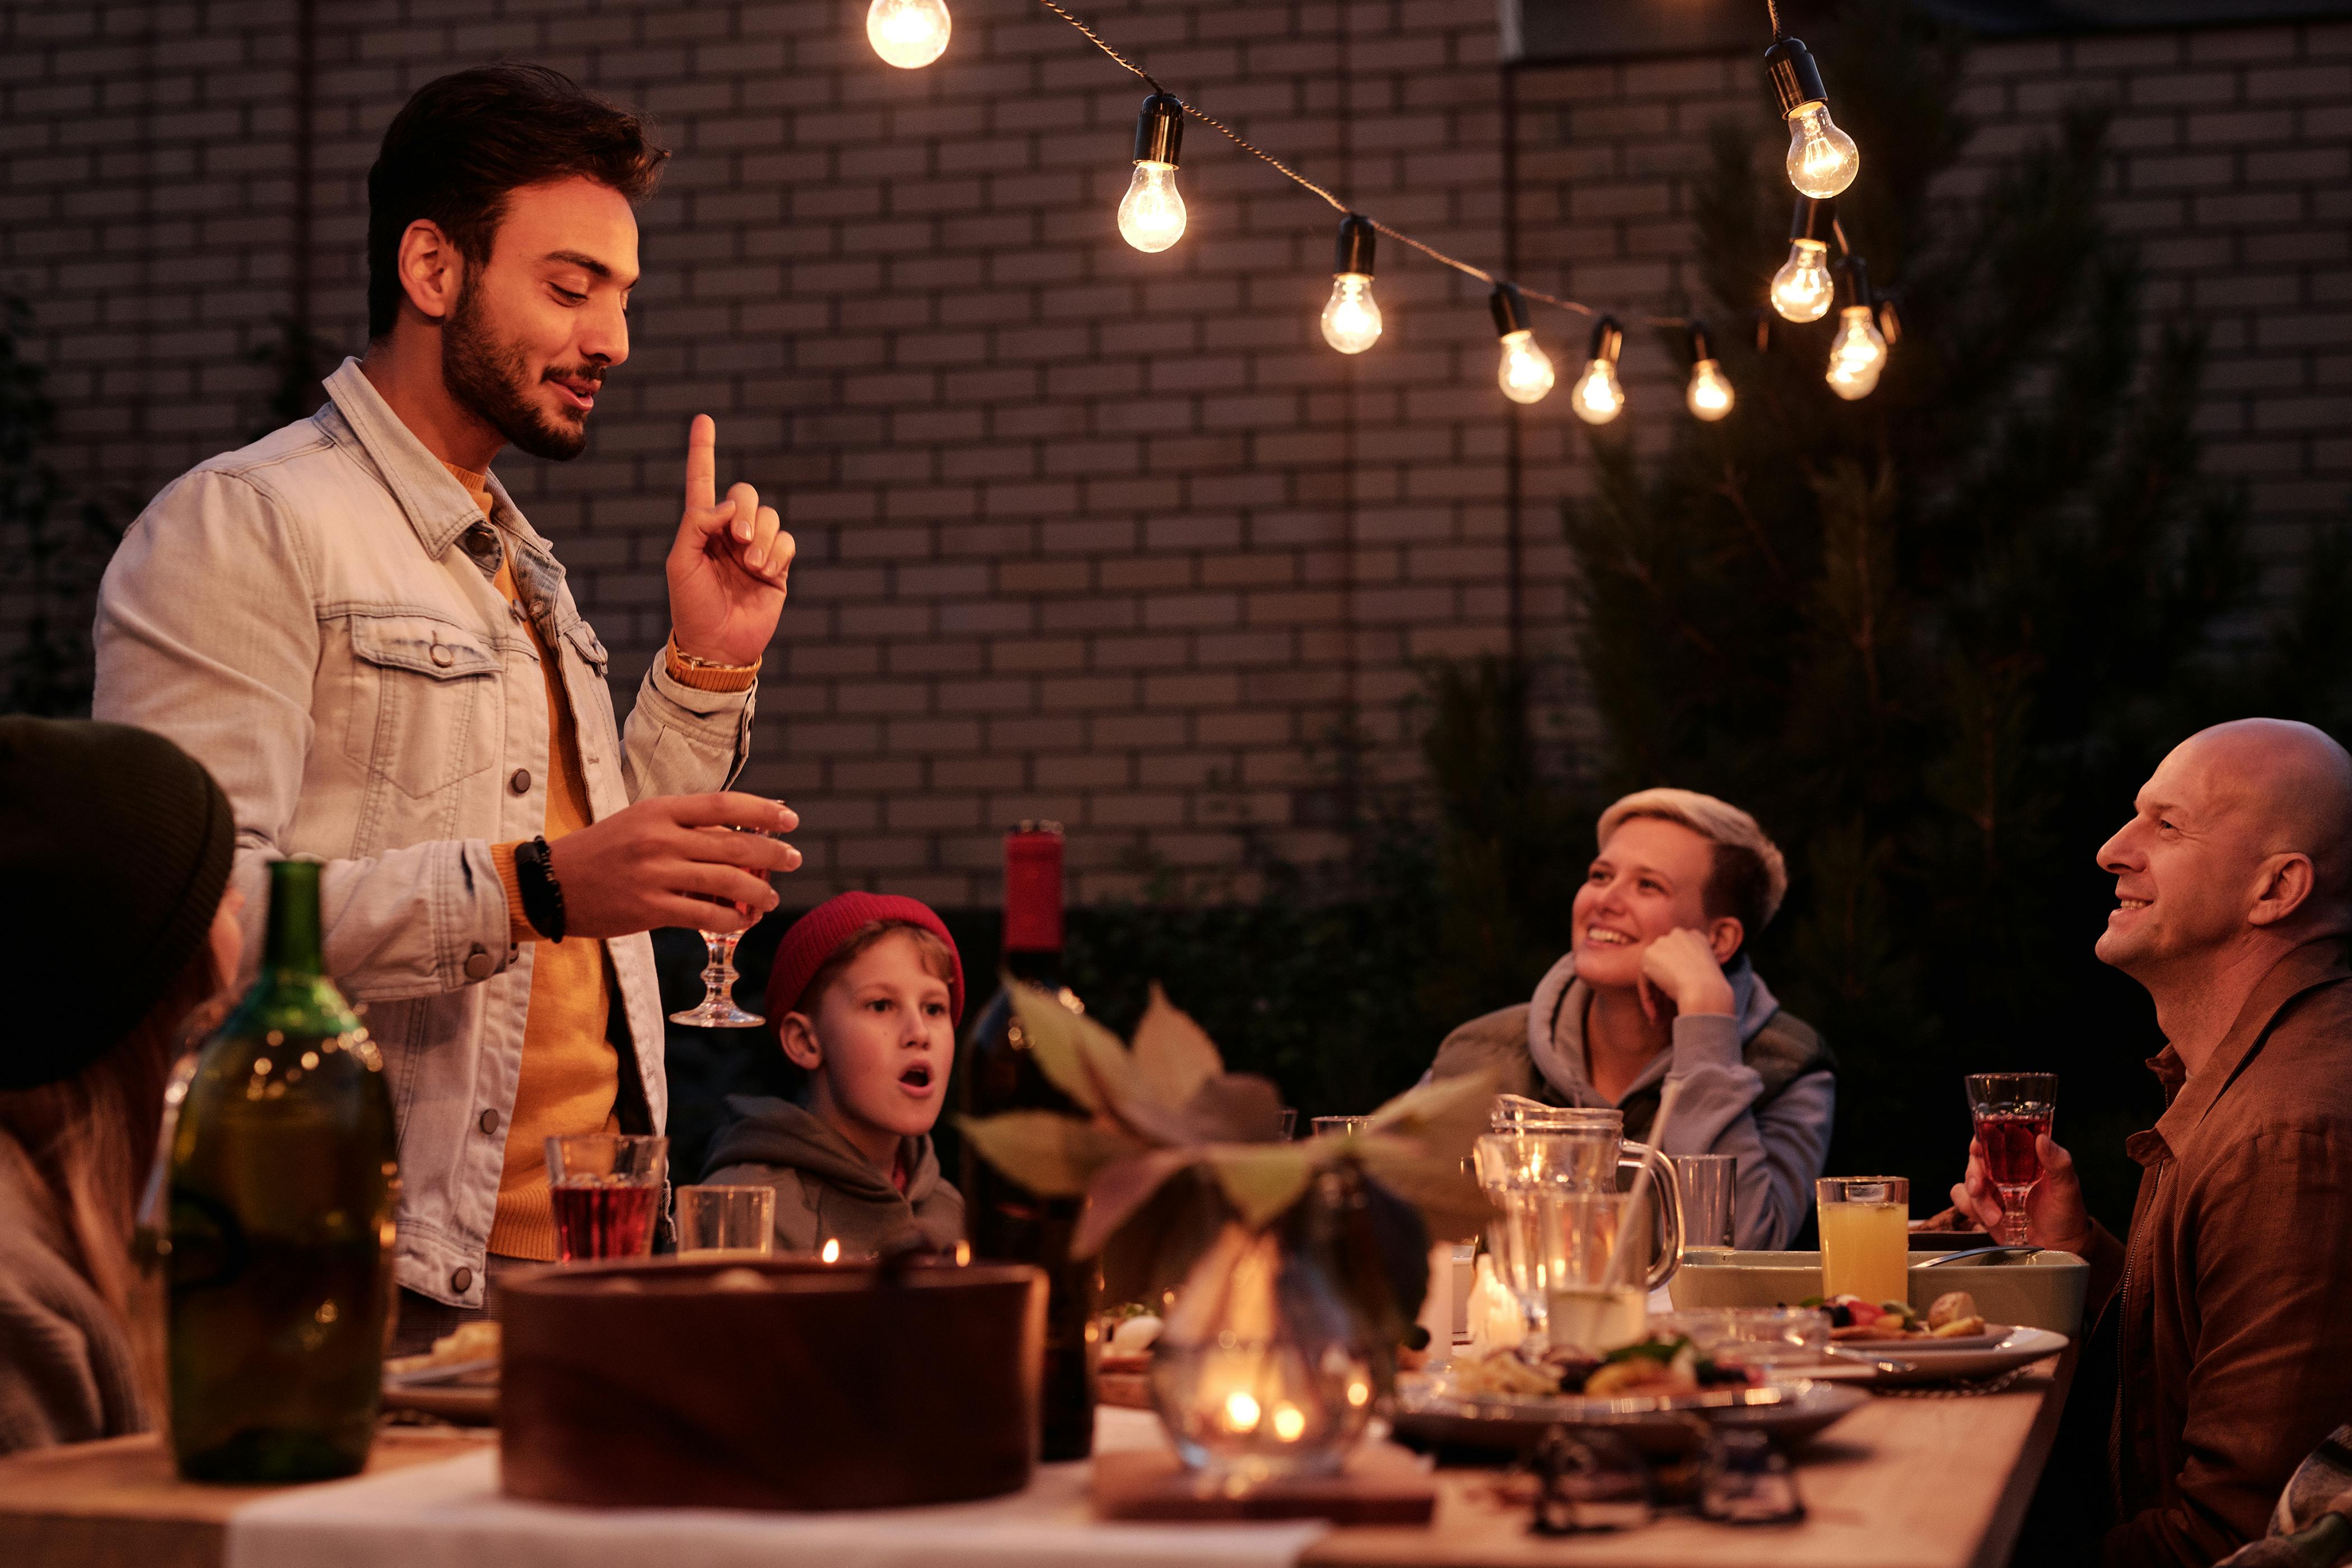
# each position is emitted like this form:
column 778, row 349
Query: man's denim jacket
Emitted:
column 313, row 618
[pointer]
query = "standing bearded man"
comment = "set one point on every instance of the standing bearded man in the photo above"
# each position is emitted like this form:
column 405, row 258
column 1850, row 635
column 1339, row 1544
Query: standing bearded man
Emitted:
column 353, row 627
column 2233, row 899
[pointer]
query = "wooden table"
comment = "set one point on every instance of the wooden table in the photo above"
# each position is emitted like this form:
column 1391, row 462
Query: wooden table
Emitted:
column 1900, row 1483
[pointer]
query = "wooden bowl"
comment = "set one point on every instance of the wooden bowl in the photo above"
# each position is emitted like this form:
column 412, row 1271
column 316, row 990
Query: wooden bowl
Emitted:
column 797, row 1385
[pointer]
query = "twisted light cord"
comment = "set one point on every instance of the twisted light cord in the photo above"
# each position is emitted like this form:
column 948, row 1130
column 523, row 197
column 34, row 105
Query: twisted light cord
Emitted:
column 1288, row 173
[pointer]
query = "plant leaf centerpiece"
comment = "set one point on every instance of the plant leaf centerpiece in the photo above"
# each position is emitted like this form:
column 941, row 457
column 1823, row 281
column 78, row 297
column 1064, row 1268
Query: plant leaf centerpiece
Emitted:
column 1190, row 1187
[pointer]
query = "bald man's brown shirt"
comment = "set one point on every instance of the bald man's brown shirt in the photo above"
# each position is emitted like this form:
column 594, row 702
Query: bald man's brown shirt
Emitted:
column 2235, row 1306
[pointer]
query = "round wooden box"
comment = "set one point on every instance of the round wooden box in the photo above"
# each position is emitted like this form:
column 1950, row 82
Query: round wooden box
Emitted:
column 667, row 1382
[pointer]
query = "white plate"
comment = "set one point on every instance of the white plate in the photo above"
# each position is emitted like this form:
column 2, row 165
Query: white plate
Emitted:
column 1899, row 1361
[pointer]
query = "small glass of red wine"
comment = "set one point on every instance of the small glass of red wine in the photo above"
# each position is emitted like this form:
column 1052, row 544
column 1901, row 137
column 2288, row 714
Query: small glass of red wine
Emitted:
column 2013, row 1111
column 604, row 1188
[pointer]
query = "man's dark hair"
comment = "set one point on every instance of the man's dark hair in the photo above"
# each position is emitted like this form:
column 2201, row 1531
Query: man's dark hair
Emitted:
column 464, row 141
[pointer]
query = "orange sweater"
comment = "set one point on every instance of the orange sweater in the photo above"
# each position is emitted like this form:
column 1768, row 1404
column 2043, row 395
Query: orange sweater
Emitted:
column 570, row 1074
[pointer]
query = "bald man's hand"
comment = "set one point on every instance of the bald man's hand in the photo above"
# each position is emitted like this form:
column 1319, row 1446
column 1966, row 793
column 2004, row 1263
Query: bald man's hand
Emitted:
column 2055, row 1216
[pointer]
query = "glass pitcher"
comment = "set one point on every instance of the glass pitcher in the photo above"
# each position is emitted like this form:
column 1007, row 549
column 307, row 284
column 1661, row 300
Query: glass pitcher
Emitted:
column 1538, row 1149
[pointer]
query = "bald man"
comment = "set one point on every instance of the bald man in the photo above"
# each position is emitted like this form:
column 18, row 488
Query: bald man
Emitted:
column 2232, row 1298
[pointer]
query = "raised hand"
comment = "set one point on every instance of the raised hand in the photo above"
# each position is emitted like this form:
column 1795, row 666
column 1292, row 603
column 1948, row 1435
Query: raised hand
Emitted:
column 727, row 567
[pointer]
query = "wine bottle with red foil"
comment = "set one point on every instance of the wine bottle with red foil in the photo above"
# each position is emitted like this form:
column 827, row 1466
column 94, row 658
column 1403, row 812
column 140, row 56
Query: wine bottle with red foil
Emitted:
column 1000, row 1074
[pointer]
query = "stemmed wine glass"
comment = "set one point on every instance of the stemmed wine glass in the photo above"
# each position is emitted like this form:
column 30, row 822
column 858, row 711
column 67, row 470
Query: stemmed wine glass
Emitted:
column 2013, row 1111
column 717, row 1010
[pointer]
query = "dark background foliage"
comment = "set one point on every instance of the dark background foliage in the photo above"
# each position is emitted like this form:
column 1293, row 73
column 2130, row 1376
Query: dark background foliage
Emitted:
column 1934, row 639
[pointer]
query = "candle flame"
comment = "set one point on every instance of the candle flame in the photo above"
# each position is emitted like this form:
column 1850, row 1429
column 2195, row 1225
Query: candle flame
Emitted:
column 1289, row 1421
column 963, row 1254
column 1241, row 1411
column 832, row 1253
column 1359, row 1391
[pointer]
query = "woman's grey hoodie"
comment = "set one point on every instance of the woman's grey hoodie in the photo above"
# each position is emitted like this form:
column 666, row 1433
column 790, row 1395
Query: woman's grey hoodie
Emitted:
column 827, row 1190
column 1759, row 1085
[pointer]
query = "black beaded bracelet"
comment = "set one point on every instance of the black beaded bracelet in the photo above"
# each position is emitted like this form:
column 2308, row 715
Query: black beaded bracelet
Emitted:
column 543, row 895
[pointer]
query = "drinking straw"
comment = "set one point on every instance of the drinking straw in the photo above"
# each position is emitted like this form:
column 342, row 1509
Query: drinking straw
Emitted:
column 1641, row 1191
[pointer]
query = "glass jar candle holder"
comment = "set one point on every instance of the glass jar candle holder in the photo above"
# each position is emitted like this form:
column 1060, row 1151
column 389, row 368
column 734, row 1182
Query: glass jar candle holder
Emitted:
column 1244, row 1412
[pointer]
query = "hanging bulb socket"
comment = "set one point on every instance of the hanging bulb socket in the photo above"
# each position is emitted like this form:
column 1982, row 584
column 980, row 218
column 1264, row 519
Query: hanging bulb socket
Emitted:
column 1763, row 320
column 1890, row 321
column 1351, row 318
column 1608, row 341
column 1795, row 77
column 1510, row 309
column 1702, row 347
column 1815, row 220
column 1159, row 130
column 1355, row 250
column 1853, row 283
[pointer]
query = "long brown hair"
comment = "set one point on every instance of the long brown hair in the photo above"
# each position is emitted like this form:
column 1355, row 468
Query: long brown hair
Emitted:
column 78, row 1151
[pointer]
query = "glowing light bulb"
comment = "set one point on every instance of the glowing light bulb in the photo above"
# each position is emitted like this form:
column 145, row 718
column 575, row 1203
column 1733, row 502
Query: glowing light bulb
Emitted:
column 908, row 34
column 1802, row 288
column 1525, row 373
column 1823, row 159
column 1710, row 390
column 1858, row 355
column 1241, row 1411
column 1351, row 317
column 1152, row 215
column 1599, row 398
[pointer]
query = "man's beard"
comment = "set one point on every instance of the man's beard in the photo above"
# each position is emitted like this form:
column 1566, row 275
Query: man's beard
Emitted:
column 490, row 378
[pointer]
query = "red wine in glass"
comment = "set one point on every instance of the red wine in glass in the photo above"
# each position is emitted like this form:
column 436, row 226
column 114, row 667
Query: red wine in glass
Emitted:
column 2013, row 1111
column 598, row 1217
column 2009, row 1138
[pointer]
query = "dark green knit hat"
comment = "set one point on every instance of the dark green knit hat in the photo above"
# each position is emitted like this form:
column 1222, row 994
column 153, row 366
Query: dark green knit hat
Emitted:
column 114, row 850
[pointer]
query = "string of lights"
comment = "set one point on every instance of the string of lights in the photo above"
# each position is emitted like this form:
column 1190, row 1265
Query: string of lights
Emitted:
column 1822, row 161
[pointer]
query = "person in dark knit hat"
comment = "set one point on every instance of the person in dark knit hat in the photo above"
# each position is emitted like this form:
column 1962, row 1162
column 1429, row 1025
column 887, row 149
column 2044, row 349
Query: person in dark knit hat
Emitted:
column 865, row 997
column 122, row 843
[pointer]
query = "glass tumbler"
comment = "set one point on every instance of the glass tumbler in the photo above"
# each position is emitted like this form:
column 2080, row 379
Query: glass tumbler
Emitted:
column 606, row 1188
column 726, row 1222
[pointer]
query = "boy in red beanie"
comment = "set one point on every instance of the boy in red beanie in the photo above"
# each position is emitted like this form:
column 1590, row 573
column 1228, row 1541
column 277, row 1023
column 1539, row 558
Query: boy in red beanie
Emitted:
column 865, row 997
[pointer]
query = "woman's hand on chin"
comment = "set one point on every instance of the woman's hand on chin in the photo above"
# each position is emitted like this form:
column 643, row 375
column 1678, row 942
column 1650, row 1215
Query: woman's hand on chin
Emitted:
column 1680, row 968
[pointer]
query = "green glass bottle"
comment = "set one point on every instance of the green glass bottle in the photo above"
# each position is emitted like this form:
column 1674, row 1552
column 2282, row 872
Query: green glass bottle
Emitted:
column 282, row 1185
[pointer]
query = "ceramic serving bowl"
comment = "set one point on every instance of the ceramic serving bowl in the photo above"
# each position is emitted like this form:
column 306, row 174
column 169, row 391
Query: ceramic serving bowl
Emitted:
column 2040, row 1292
column 770, row 1382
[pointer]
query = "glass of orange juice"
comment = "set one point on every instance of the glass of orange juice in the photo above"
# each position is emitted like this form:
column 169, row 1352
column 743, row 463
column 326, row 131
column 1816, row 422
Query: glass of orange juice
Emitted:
column 1865, row 1236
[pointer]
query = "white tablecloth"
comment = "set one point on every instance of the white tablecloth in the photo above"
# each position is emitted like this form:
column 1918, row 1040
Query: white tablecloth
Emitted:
column 450, row 1514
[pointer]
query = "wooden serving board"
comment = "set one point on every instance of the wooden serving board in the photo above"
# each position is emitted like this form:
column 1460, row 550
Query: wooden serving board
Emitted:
column 1383, row 1484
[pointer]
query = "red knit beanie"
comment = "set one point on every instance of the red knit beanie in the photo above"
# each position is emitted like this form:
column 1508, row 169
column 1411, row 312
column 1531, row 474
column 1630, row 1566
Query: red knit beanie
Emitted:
column 819, row 934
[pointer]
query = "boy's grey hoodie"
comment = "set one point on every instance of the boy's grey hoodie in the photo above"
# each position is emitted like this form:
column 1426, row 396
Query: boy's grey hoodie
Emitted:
column 827, row 1190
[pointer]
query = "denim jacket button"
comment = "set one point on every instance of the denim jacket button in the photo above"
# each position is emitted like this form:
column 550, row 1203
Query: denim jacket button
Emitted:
column 442, row 656
column 478, row 964
column 520, row 783
column 461, row 1280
